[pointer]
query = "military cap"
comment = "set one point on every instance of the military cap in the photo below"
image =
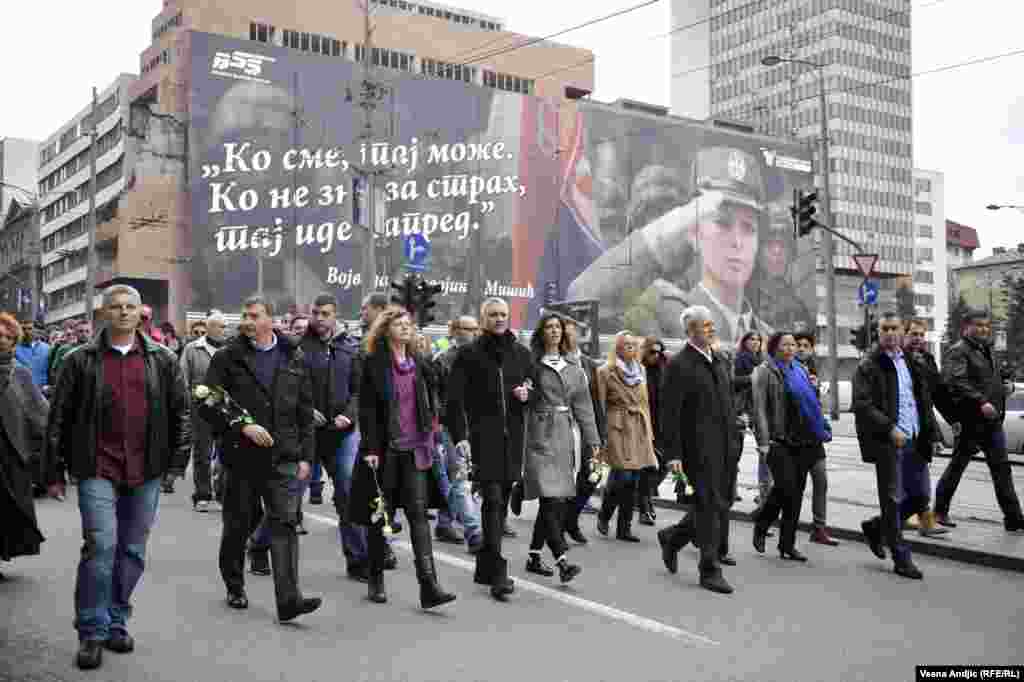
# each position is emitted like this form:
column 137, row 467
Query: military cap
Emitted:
column 734, row 172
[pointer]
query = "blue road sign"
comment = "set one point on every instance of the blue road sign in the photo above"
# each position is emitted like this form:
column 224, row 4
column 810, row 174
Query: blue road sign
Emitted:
column 867, row 293
column 417, row 251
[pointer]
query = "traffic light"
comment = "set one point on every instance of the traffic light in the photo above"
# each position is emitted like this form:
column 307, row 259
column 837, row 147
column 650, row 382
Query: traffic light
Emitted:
column 857, row 338
column 425, row 293
column 803, row 213
column 872, row 329
column 406, row 296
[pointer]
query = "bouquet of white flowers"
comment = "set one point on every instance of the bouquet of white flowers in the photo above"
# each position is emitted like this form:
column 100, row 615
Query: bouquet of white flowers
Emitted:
column 219, row 399
column 380, row 509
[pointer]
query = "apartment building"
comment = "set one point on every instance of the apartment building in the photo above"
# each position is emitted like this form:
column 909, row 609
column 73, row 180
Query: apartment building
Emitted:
column 931, row 262
column 18, row 161
column 863, row 50
column 64, row 193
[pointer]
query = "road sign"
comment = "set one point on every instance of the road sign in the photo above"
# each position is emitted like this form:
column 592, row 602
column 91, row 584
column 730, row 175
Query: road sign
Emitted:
column 867, row 293
column 417, row 251
column 866, row 263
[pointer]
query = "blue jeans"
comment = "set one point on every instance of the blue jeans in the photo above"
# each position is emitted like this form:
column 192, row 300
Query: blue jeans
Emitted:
column 352, row 537
column 457, row 493
column 316, row 479
column 116, row 521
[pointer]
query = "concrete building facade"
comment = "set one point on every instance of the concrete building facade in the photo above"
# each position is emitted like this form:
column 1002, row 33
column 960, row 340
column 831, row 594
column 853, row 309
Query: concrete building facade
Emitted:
column 64, row 194
column 18, row 163
column 864, row 49
column 20, row 282
column 931, row 265
column 982, row 284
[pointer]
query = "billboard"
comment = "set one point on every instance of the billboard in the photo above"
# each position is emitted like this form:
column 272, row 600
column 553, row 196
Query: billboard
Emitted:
column 291, row 178
column 298, row 188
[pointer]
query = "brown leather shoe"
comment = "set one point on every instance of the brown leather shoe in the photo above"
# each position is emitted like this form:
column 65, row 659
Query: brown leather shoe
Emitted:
column 821, row 537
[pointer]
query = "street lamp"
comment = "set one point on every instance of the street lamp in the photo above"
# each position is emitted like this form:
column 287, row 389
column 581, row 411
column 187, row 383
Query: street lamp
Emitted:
column 830, row 273
column 996, row 207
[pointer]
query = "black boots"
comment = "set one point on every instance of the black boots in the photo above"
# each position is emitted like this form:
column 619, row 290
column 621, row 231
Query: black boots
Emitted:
column 90, row 654
column 567, row 571
column 713, row 580
column 501, row 585
column 431, row 594
column 375, row 587
column 624, row 529
column 536, row 565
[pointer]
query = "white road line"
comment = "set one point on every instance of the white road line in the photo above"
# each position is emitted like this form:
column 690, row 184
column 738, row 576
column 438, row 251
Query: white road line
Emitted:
column 632, row 619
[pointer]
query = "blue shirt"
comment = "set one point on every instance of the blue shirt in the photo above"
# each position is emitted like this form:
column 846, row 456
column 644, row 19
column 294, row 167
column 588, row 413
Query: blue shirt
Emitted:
column 36, row 358
column 908, row 421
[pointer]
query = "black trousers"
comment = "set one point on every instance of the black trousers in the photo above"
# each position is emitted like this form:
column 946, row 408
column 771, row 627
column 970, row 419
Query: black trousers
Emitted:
column 414, row 492
column 992, row 441
column 549, row 525
column 493, row 510
column 789, row 467
column 708, row 523
column 243, row 493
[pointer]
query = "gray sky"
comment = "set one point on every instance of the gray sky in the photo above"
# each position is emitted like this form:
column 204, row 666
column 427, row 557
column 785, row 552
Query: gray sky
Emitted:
column 968, row 122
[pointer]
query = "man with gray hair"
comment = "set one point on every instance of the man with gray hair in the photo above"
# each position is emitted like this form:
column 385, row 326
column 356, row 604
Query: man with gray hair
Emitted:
column 195, row 361
column 119, row 452
column 697, row 425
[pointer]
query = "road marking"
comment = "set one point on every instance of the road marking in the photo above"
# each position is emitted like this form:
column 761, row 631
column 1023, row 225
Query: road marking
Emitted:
column 611, row 612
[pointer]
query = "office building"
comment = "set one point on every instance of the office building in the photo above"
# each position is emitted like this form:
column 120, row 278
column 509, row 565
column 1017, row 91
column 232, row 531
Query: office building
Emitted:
column 863, row 48
column 64, row 194
column 931, row 268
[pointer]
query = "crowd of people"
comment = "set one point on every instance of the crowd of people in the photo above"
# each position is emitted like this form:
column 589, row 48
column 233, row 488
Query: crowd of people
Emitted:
column 462, row 434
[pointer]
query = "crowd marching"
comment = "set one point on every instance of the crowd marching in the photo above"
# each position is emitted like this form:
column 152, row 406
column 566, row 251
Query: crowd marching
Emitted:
column 469, row 431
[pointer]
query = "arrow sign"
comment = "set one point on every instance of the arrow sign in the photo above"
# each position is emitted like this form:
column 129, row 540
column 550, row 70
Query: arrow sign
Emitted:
column 867, row 294
column 866, row 263
column 417, row 251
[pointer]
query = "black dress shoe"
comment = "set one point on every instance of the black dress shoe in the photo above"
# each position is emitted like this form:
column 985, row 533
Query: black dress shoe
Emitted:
column 646, row 519
column 792, row 554
column 727, row 560
column 449, row 535
column 358, row 572
column 515, row 500
column 299, row 608
column 716, row 583
column 1014, row 525
column 577, row 536
column 90, row 654
column 259, row 563
column 567, row 571
column 602, row 526
column 237, row 599
column 375, row 588
column 626, row 536
column 873, row 536
column 759, row 539
column 536, row 565
column 907, row 569
column 669, row 556
column 120, row 642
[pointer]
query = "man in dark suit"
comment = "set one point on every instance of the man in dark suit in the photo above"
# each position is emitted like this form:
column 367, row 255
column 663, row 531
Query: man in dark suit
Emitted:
column 896, row 432
column 697, row 429
column 487, row 395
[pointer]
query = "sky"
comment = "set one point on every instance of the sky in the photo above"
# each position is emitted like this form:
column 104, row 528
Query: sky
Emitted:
column 968, row 122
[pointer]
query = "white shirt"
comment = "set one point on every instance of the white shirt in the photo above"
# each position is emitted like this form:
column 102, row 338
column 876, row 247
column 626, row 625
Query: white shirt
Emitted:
column 124, row 350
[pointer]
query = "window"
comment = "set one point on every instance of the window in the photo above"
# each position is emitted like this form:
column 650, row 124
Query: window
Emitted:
column 923, row 207
column 305, row 42
column 316, row 42
column 924, row 299
column 924, row 277
column 924, row 231
column 924, row 254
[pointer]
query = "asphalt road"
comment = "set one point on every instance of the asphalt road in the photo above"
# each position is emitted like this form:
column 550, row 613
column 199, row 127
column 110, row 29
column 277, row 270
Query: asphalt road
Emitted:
column 843, row 616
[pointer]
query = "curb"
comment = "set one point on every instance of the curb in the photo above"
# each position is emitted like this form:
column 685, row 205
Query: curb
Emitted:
column 942, row 550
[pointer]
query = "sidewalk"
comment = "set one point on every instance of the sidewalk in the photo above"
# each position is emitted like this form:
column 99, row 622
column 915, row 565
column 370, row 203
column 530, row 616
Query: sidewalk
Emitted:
column 979, row 537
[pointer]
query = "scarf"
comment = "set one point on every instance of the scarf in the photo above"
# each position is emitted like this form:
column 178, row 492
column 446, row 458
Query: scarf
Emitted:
column 6, row 369
column 798, row 385
column 633, row 373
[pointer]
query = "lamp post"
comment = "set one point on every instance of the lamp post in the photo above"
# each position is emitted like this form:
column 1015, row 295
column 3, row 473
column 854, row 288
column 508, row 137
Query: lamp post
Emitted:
column 830, row 273
column 996, row 207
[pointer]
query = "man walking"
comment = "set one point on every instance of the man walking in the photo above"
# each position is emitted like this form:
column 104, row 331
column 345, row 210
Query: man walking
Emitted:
column 332, row 358
column 896, row 431
column 267, row 450
column 974, row 379
column 452, row 466
column 195, row 361
column 119, row 422
column 698, row 424
column 487, row 392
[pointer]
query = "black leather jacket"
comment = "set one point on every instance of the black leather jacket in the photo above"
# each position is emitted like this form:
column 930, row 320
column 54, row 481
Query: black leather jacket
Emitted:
column 973, row 377
column 75, row 412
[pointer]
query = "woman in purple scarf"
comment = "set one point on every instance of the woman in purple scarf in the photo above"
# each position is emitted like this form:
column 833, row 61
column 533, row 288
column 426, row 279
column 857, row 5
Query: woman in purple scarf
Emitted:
column 397, row 420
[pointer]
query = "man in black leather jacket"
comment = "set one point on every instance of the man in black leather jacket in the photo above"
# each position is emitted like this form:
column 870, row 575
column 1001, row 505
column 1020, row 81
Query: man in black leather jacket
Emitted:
column 975, row 382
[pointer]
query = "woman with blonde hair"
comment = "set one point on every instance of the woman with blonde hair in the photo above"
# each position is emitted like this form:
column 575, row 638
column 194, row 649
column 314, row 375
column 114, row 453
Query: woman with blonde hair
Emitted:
column 622, row 392
column 397, row 420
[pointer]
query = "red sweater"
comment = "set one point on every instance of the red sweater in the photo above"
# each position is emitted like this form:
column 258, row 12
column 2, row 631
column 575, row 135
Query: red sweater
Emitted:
column 121, row 439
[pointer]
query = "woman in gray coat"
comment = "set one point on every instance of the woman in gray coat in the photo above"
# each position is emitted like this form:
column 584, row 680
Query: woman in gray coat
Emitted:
column 560, row 398
column 23, row 413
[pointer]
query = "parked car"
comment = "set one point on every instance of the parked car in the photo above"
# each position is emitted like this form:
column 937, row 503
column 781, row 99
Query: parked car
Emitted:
column 1014, row 425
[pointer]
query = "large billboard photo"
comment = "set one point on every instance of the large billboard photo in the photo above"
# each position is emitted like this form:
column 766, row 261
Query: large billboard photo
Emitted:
column 293, row 176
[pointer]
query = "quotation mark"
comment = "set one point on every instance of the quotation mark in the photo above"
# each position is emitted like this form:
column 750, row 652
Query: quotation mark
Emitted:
column 211, row 170
column 487, row 207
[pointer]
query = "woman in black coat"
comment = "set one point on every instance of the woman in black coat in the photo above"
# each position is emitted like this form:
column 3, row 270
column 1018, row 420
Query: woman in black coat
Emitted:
column 397, row 422
column 23, row 412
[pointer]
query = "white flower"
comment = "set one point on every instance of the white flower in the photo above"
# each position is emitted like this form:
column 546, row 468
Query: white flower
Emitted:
column 201, row 392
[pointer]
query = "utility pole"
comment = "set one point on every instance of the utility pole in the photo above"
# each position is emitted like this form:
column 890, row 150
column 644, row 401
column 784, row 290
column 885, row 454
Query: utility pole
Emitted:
column 828, row 244
column 90, row 256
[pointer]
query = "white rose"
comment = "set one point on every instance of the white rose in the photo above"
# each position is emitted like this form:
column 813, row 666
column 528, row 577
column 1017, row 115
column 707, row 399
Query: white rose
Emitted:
column 201, row 392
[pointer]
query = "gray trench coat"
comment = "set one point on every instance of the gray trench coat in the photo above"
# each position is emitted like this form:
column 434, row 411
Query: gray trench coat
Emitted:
column 558, row 400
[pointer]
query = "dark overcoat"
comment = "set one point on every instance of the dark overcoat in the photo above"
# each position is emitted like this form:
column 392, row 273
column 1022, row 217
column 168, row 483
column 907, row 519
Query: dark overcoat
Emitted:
column 23, row 413
column 698, row 422
column 379, row 430
column 482, row 409
column 876, row 392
